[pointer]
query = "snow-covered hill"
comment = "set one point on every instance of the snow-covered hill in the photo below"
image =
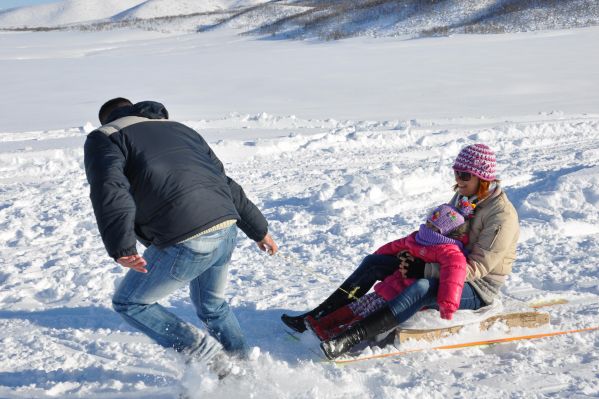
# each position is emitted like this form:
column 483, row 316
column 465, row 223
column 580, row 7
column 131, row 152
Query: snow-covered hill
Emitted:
column 63, row 12
column 337, row 20
column 83, row 12
column 301, row 19
column 163, row 8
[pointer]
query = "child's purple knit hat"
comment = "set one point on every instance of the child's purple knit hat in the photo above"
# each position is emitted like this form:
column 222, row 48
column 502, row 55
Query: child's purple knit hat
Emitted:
column 477, row 159
column 446, row 218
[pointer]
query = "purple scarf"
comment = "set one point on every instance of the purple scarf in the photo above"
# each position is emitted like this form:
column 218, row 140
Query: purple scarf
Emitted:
column 427, row 237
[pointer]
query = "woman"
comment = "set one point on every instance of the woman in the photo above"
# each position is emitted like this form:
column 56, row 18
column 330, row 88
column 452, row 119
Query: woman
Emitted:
column 493, row 234
column 441, row 240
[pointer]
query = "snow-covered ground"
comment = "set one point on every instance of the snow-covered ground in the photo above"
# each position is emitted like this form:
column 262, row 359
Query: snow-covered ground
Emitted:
column 52, row 80
column 344, row 146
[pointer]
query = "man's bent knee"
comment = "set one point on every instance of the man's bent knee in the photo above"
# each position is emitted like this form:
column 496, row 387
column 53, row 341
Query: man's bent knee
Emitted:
column 215, row 310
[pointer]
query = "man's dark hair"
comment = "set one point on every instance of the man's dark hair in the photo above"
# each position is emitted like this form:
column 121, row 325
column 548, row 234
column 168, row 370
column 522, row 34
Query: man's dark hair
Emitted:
column 111, row 105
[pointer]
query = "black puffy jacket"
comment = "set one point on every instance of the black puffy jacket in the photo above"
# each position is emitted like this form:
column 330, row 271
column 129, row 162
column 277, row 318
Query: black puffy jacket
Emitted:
column 159, row 181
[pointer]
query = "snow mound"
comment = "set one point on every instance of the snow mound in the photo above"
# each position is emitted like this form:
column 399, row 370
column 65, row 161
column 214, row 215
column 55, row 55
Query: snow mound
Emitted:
column 377, row 191
column 571, row 207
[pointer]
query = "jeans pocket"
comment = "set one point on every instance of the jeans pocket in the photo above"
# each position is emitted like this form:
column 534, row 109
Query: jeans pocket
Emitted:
column 195, row 257
column 202, row 246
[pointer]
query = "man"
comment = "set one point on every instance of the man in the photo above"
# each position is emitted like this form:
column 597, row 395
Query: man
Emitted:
column 158, row 181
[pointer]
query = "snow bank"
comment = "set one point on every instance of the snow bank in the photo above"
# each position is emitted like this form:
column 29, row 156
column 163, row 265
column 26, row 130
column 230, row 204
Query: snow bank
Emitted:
column 571, row 207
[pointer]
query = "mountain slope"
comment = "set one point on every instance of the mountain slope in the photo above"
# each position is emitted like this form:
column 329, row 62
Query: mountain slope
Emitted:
column 163, row 8
column 338, row 19
column 64, row 12
column 304, row 19
column 85, row 12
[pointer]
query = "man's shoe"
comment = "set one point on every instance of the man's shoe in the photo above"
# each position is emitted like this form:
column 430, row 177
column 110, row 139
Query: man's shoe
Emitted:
column 221, row 365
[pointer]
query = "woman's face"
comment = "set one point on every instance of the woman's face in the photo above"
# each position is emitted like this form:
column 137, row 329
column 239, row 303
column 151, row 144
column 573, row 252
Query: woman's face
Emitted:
column 467, row 187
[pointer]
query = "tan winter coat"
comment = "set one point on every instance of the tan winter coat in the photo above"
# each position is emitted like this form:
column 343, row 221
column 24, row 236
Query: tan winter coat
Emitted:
column 493, row 235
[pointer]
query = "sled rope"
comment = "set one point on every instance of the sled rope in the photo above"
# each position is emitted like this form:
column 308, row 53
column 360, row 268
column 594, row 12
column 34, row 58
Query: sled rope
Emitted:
column 467, row 344
column 319, row 276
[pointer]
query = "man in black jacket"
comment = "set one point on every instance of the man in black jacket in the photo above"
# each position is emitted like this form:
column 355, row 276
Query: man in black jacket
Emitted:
column 158, row 181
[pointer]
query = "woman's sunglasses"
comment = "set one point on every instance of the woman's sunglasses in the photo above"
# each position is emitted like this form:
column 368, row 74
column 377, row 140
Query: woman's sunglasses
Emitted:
column 463, row 176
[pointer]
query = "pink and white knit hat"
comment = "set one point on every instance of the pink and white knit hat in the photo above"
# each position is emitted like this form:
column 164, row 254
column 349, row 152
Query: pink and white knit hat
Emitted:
column 477, row 159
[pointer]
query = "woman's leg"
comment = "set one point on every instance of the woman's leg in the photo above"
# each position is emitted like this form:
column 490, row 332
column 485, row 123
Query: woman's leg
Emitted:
column 420, row 294
column 341, row 319
column 372, row 269
column 470, row 298
column 423, row 292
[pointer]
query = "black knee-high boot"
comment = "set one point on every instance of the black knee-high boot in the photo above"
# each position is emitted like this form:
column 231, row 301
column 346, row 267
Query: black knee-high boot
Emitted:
column 374, row 324
column 341, row 297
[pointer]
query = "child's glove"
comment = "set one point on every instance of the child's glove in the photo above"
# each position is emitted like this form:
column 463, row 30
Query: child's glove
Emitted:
column 415, row 269
column 412, row 267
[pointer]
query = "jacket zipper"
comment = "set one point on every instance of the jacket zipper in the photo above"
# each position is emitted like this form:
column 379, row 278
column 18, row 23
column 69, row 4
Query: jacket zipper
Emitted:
column 495, row 238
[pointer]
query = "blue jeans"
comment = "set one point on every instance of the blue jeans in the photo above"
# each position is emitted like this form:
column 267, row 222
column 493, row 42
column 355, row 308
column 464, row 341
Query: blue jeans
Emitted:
column 373, row 268
column 423, row 293
column 203, row 264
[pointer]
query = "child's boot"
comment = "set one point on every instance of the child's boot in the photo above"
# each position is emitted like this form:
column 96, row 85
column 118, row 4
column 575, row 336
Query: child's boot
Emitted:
column 337, row 299
column 322, row 327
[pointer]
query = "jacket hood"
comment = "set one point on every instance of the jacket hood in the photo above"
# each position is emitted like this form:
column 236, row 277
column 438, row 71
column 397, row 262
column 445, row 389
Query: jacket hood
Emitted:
column 144, row 109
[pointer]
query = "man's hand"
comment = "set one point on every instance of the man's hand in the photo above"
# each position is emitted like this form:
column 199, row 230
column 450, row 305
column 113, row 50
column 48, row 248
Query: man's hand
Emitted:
column 135, row 262
column 268, row 244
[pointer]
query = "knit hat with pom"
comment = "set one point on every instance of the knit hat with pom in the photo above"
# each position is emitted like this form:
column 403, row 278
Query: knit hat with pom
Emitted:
column 446, row 218
column 477, row 159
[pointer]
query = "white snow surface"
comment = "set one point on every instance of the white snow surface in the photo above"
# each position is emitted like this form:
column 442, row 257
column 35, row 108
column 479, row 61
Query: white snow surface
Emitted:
column 336, row 174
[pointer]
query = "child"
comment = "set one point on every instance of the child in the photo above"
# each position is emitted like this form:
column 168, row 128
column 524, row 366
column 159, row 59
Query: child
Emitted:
column 441, row 240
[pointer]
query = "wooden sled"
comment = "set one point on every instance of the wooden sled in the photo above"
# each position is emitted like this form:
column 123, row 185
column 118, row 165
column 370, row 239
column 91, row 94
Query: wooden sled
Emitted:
column 512, row 320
